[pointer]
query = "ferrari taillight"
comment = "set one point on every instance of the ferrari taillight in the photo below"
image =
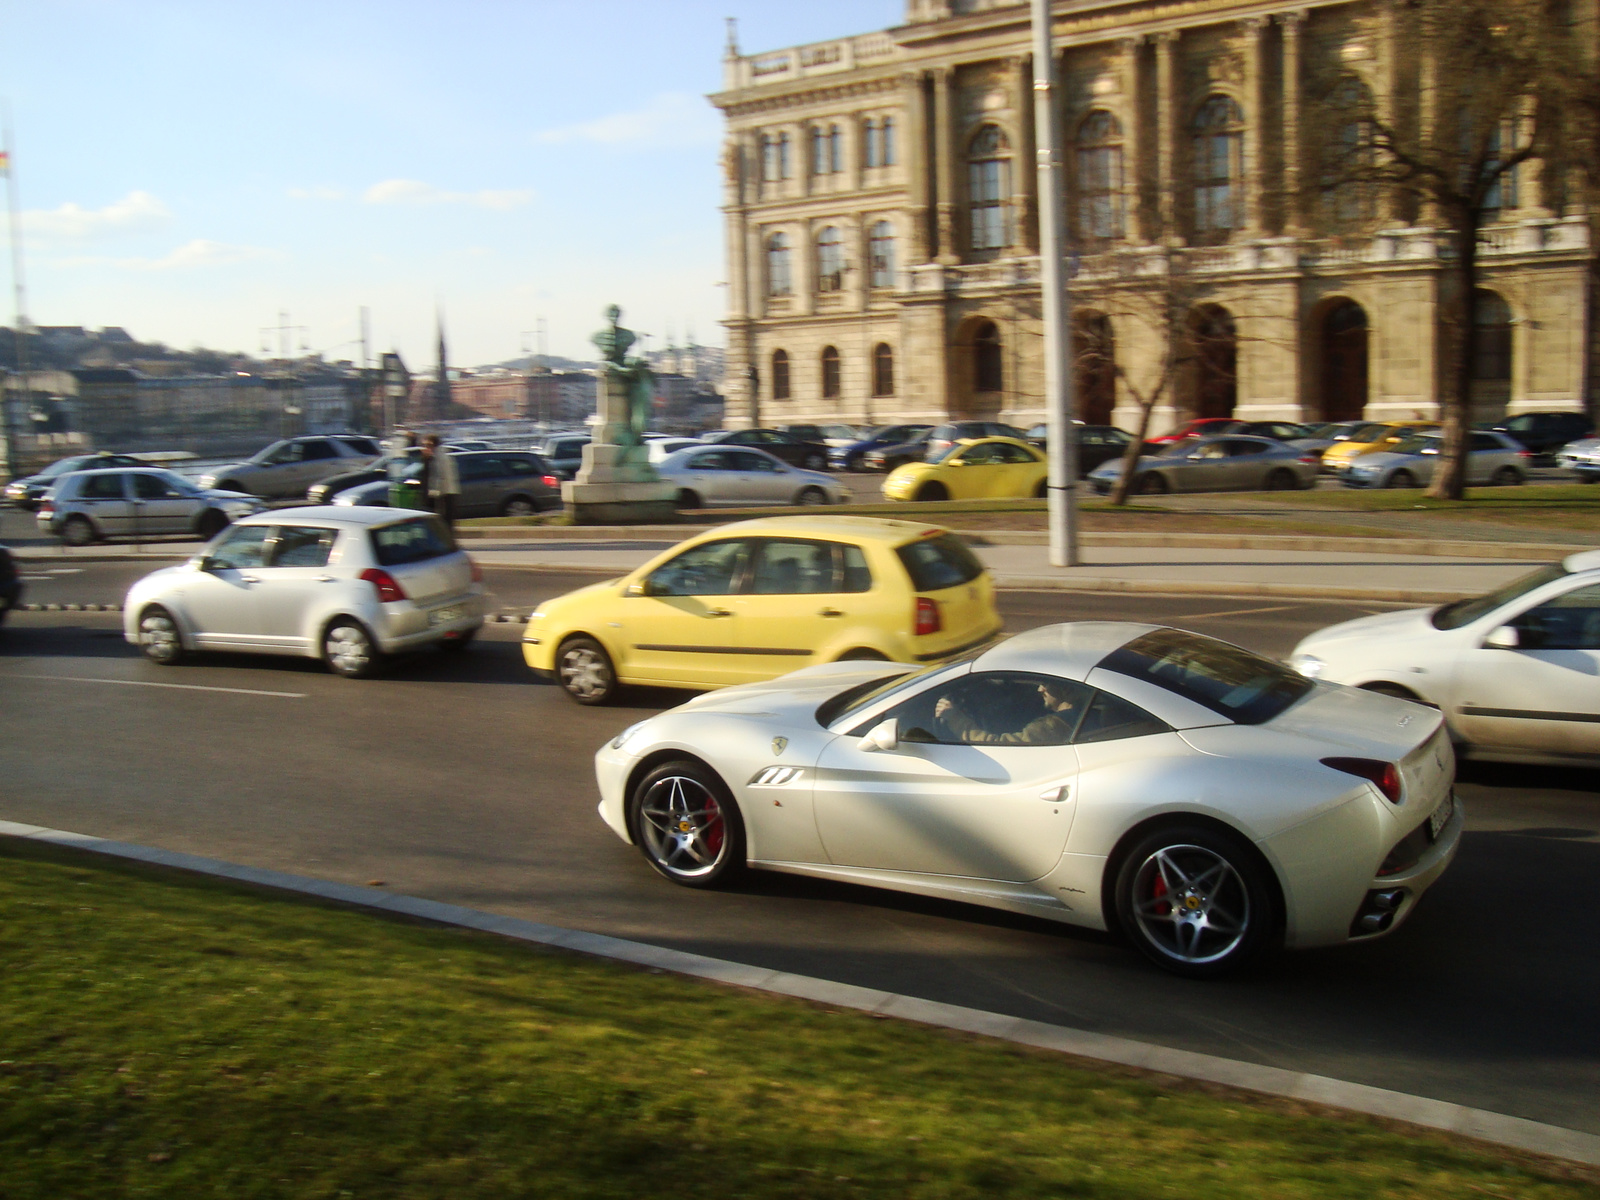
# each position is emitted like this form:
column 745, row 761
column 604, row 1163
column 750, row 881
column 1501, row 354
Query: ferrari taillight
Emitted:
column 388, row 589
column 927, row 618
column 1383, row 774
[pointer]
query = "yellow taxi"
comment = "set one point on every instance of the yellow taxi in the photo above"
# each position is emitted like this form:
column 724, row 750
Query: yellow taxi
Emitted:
column 758, row 599
column 1380, row 435
column 980, row 469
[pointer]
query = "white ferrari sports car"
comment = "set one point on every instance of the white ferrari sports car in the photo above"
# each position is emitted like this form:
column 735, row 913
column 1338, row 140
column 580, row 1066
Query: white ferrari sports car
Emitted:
column 1210, row 803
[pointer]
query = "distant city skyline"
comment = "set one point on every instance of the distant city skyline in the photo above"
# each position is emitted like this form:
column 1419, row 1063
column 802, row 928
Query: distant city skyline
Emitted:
column 189, row 171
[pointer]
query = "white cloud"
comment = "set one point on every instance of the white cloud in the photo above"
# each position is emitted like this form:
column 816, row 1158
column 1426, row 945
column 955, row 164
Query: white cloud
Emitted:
column 319, row 192
column 200, row 253
column 670, row 118
column 134, row 213
column 414, row 191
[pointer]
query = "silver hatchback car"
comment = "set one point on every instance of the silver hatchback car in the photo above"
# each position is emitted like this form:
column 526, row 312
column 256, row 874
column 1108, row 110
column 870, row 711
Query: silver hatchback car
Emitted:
column 346, row 585
column 92, row 506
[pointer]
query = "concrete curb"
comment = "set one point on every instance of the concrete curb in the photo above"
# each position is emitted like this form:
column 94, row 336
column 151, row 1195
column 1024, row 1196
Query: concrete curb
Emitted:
column 1495, row 1128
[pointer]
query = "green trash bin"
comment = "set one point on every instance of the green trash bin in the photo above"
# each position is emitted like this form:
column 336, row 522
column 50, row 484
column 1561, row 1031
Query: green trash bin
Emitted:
column 406, row 493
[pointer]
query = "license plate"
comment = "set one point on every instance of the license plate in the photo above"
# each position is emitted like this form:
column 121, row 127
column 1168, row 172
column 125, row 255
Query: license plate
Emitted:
column 1441, row 816
column 440, row 615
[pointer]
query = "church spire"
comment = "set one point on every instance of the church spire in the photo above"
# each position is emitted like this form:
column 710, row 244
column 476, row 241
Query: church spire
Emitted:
column 441, row 389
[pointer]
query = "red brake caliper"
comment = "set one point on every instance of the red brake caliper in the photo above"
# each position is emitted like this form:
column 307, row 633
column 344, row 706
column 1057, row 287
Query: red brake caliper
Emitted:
column 1158, row 891
column 712, row 834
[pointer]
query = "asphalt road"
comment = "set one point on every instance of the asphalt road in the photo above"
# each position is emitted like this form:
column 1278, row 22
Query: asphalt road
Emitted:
column 464, row 780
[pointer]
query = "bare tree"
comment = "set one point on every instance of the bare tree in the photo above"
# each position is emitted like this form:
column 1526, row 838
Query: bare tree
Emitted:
column 1485, row 87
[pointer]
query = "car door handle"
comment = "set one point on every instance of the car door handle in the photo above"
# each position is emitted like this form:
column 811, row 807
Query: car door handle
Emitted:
column 829, row 612
column 718, row 612
column 1057, row 795
column 325, row 579
column 249, row 579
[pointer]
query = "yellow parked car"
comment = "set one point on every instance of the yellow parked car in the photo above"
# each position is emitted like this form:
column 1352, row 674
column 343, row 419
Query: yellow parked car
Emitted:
column 981, row 469
column 758, row 599
column 1378, row 436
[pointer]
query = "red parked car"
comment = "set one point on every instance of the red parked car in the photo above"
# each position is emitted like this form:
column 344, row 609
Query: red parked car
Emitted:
column 1199, row 427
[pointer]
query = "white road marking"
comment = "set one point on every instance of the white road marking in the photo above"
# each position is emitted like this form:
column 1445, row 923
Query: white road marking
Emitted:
column 1239, row 612
column 186, row 687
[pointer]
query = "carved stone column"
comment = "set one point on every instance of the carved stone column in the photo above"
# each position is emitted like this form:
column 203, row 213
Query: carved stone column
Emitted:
column 914, row 159
column 1133, row 167
column 1255, row 32
column 944, row 83
column 1024, row 182
column 1167, row 135
column 1293, row 219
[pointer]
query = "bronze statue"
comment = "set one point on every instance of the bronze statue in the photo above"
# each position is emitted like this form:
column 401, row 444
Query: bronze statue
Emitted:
column 632, row 378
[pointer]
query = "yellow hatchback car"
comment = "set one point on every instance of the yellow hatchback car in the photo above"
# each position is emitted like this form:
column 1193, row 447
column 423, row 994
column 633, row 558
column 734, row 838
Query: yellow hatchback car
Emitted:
column 1380, row 435
column 761, row 598
column 982, row 469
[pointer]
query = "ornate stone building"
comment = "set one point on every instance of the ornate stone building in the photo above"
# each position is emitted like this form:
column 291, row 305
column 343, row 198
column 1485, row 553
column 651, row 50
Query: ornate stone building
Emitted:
column 882, row 234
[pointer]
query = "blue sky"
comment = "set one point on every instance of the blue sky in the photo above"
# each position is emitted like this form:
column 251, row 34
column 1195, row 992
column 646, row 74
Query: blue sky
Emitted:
column 189, row 169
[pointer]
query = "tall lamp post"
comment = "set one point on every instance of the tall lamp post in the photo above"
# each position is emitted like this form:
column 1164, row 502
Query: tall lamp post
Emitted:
column 1059, row 400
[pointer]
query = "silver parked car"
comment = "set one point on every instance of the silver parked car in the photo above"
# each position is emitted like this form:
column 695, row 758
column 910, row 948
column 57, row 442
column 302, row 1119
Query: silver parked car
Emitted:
column 289, row 467
column 1231, row 462
column 94, row 506
column 716, row 477
column 346, row 585
column 1492, row 458
column 494, row 483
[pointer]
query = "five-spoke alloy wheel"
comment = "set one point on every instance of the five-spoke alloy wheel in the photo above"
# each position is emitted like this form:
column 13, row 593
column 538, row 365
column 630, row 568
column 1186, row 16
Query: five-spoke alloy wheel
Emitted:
column 687, row 825
column 1196, row 901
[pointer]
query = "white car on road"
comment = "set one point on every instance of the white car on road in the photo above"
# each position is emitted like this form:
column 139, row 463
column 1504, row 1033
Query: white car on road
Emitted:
column 1210, row 803
column 346, row 585
column 1515, row 672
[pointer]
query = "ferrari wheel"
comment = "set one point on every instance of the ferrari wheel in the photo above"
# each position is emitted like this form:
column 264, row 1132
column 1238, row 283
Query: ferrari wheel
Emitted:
column 1196, row 901
column 687, row 825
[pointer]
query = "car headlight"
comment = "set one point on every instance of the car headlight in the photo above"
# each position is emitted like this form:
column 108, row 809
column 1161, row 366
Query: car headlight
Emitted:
column 1308, row 665
column 621, row 738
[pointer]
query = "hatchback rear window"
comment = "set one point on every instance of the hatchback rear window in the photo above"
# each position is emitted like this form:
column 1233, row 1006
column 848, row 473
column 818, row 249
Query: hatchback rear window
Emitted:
column 939, row 562
column 1242, row 686
column 414, row 540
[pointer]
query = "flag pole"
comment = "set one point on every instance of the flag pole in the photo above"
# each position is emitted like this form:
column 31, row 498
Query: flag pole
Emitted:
column 1063, row 432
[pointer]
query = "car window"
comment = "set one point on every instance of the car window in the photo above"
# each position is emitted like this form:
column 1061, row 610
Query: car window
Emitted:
column 980, row 455
column 712, row 460
column 154, row 487
column 1012, row 708
column 302, row 546
column 242, row 546
column 939, row 562
column 746, row 460
column 1569, row 622
column 1012, row 454
column 1244, row 687
column 784, row 568
column 414, row 540
column 521, row 464
column 709, row 569
column 101, row 487
column 361, row 445
column 1239, row 447
column 1520, row 424
column 1211, row 450
column 319, row 449
column 1485, row 441
column 287, row 453
column 1111, row 718
column 474, row 467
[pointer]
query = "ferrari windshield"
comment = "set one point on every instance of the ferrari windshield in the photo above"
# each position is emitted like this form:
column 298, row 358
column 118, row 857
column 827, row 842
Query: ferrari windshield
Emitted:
column 853, row 699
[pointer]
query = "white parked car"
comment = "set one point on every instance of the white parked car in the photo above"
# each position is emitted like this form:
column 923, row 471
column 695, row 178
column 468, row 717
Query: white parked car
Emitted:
column 731, row 476
column 346, row 585
column 1514, row 672
column 1209, row 802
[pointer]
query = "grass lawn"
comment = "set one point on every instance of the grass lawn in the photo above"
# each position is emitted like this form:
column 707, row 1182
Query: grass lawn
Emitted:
column 164, row 1035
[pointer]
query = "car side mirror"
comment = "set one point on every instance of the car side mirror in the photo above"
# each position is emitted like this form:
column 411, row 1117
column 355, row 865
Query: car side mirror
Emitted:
column 1504, row 638
column 641, row 588
column 885, row 735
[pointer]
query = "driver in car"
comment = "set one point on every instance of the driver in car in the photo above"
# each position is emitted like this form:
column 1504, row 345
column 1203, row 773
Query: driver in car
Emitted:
column 1053, row 727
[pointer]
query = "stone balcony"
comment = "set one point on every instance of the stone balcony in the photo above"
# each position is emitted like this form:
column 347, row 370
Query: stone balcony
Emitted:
column 806, row 62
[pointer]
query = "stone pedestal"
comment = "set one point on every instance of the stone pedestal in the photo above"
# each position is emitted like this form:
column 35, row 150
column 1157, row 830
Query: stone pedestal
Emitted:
column 617, row 485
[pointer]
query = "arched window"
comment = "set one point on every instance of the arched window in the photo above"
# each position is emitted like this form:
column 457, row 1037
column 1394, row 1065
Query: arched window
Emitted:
column 882, row 370
column 1099, row 152
column 880, row 248
column 1094, row 352
column 830, row 372
column 869, row 143
column 830, row 260
column 987, row 372
column 1491, row 359
column 778, row 283
column 989, row 188
column 780, row 374
column 1218, row 167
column 886, row 143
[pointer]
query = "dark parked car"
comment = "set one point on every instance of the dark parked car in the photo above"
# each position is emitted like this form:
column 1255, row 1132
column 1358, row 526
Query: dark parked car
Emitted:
column 947, row 435
column 811, row 456
column 849, row 458
column 494, row 483
column 30, row 489
column 384, row 468
column 887, row 458
column 10, row 584
column 1283, row 431
column 563, row 453
column 1096, row 444
column 1543, row 433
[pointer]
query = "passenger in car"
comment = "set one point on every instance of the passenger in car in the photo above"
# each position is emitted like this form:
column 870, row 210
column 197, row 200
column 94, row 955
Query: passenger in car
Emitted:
column 1052, row 727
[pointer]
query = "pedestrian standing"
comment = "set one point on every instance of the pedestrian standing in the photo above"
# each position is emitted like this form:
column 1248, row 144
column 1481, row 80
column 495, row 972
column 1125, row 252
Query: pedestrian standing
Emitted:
column 441, row 480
